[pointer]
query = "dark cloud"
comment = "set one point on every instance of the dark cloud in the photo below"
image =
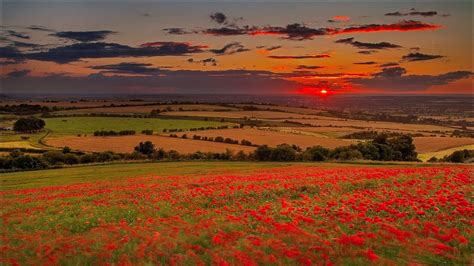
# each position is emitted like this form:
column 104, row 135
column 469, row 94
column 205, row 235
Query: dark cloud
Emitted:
column 271, row 48
column 404, row 25
column 176, row 31
column 84, row 36
column 219, row 18
column 78, row 51
column 366, row 52
column 299, row 56
column 366, row 63
column 395, row 78
column 170, row 81
column 293, row 31
column 306, row 67
column 231, row 48
column 300, row 32
column 11, row 53
column 17, row 34
column 420, row 57
column 18, row 73
column 391, row 72
column 128, row 68
column 211, row 61
column 413, row 13
column 366, row 45
column 39, row 28
column 389, row 64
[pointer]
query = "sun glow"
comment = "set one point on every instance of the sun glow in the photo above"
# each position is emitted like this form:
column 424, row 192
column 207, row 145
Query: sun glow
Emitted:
column 323, row 91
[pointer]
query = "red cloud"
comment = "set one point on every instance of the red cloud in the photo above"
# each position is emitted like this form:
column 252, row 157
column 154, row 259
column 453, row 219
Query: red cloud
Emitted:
column 299, row 56
column 404, row 25
column 341, row 18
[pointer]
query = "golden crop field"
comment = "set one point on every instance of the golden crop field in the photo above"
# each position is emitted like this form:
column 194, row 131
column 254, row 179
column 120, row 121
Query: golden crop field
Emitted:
column 128, row 143
column 435, row 144
column 273, row 137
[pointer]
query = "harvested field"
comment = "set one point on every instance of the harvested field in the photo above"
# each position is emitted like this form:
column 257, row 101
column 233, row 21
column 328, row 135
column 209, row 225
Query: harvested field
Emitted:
column 128, row 143
column 297, row 110
column 372, row 125
column 240, row 114
column 17, row 145
column 273, row 137
column 144, row 109
column 440, row 154
column 434, row 144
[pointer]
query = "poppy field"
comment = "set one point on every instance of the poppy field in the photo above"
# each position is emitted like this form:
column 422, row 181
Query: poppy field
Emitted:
column 297, row 214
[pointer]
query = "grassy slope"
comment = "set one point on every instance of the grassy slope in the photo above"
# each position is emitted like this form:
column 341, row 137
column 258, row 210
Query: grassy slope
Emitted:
column 87, row 125
column 93, row 173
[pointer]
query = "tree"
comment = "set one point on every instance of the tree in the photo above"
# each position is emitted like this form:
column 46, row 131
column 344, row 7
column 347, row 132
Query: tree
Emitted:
column 283, row 152
column 262, row 153
column 404, row 145
column 146, row 148
column 316, row 153
column 29, row 124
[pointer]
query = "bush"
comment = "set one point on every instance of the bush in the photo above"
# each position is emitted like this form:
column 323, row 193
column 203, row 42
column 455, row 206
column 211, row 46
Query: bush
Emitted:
column 283, row 152
column 262, row 153
column 146, row 148
column 316, row 153
column 30, row 124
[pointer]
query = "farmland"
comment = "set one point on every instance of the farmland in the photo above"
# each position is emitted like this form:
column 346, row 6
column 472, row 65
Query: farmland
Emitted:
column 87, row 125
column 238, row 213
column 128, row 143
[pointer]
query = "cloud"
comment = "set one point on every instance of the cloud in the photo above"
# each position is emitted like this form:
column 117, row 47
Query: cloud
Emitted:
column 293, row 31
column 411, row 57
column 11, row 53
column 395, row 78
column 366, row 45
column 128, row 68
column 17, row 34
column 306, row 67
column 366, row 52
column 84, row 36
column 271, row 48
column 404, row 25
column 300, row 32
column 299, row 56
column 78, row 51
column 211, row 61
column 39, row 28
column 18, row 73
column 219, row 18
column 389, row 64
column 176, row 31
column 341, row 18
column 366, row 63
column 231, row 48
column 171, row 81
column 413, row 13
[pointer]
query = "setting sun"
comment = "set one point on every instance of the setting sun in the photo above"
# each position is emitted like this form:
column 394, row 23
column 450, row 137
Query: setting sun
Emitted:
column 323, row 91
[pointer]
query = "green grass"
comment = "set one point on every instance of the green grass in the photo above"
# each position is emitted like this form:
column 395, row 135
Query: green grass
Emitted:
column 87, row 125
column 91, row 173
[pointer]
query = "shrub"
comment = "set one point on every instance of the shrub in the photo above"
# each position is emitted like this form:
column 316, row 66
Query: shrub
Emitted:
column 146, row 148
column 283, row 152
column 262, row 153
column 316, row 153
column 29, row 124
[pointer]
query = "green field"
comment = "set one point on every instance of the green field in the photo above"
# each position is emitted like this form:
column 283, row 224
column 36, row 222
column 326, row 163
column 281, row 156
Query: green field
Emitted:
column 87, row 125
column 108, row 172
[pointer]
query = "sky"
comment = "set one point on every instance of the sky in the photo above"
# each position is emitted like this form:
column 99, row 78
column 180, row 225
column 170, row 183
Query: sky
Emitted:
column 385, row 47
